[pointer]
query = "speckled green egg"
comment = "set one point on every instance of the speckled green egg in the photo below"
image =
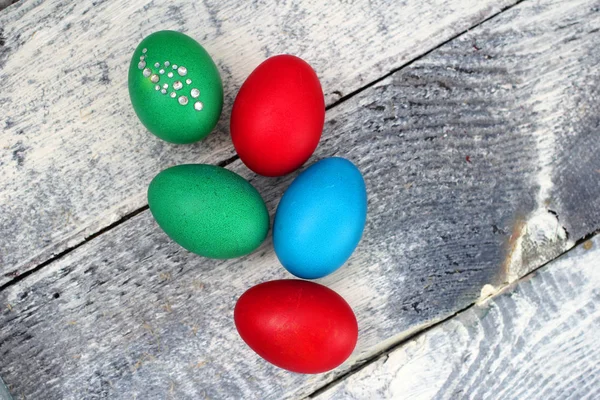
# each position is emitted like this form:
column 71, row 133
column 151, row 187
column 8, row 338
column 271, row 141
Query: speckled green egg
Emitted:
column 175, row 87
column 209, row 210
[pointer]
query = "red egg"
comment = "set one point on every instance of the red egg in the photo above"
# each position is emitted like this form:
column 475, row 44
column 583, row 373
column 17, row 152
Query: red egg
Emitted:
column 278, row 115
column 297, row 325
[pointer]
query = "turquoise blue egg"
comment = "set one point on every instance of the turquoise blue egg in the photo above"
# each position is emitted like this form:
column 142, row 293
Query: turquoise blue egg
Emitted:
column 320, row 218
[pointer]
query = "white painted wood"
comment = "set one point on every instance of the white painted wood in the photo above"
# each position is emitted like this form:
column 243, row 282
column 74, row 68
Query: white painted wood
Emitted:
column 538, row 339
column 450, row 153
column 6, row 3
column 75, row 158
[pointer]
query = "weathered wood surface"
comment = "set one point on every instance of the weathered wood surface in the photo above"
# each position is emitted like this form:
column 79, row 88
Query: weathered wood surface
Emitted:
column 4, row 394
column 75, row 158
column 460, row 178
column 536, row 340
column 6, row 3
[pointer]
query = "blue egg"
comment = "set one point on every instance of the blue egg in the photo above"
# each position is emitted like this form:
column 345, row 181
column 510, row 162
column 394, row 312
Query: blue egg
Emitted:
column 320, row 218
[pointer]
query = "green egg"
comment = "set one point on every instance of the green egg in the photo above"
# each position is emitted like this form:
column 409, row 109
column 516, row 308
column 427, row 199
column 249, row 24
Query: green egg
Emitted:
column 175, row 87
column 209, row 210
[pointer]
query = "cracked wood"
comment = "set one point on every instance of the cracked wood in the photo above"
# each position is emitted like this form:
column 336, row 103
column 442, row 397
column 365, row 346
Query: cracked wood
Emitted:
column 537, row 339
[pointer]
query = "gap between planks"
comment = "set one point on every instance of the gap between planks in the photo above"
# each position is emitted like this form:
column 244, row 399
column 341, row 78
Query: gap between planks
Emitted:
column 365, row 126
column 387, row 37
column 230, row 160
column 396, row 345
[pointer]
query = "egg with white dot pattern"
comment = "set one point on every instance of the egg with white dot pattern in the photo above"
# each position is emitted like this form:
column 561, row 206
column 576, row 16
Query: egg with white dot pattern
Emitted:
column 175, row 87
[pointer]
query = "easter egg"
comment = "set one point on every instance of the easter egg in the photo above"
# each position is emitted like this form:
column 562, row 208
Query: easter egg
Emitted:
column 208, row 210
column 175, row 87
column 297, row 325
column 278, row 115
column 320, row 218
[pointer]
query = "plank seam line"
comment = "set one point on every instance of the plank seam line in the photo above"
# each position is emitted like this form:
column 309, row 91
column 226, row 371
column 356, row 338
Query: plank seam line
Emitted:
column 230, row 160
column 70, row 249
column 394, row 346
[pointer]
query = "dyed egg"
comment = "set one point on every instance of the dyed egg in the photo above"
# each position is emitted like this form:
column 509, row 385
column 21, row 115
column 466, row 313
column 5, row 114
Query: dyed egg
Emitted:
column 208, row 210
column 320, row 218
column 297, row 325
column 175, row 87
column 278, row 115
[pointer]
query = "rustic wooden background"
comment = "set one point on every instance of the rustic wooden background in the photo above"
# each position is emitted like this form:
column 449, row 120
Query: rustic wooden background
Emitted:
column 475, row 123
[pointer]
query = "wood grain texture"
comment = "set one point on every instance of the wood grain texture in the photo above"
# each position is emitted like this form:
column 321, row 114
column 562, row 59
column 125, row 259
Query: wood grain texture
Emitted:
column 75, row 158
column 6, row 3
column 4, row 394
column 452, row 149
column 538, row 339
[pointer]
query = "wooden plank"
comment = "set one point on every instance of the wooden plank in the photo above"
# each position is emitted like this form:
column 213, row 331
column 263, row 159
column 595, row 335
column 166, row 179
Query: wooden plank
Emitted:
column 451, row 149
column 6, row 3
column 4, row 395
column 76, row 159
column 537, row 339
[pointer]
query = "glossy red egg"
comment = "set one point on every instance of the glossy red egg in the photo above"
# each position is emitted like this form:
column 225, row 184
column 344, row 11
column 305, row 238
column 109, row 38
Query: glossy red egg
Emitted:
column 278, row 116
column 297, row 325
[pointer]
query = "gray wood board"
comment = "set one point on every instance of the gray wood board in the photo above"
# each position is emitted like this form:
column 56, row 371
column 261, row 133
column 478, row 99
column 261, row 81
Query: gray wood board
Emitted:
column 74, row 157
column 538, row 339
column 132, row 314
column 6, row 3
